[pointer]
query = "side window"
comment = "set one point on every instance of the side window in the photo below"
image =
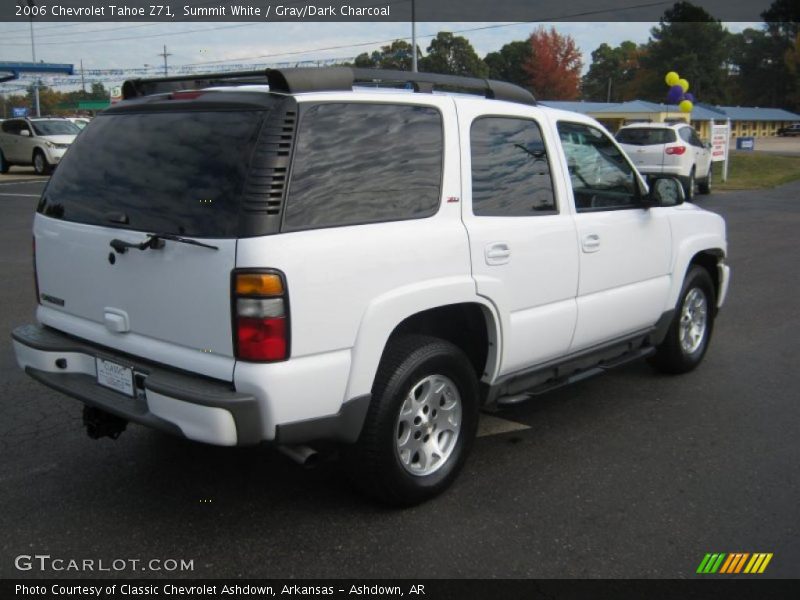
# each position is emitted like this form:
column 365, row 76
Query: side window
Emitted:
column 360, row 163
column 510, row 169
column 686, row 134
column 602, row 179
column 694, row 139
column 11, row 127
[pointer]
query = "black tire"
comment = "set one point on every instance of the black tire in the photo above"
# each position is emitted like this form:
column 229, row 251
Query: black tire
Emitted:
column 374, row 462
column 672, row 355
column 4, row 166
column 40, row 167
column 689, row 186
column 704, row 186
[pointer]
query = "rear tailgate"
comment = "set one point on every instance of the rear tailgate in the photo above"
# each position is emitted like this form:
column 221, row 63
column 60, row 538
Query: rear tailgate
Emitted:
column 171, row 305
column 129, row 176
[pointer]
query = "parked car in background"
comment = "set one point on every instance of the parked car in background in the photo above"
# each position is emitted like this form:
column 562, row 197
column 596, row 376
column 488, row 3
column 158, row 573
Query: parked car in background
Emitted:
column 40, row 142
column 791, row 130
column 669, row 149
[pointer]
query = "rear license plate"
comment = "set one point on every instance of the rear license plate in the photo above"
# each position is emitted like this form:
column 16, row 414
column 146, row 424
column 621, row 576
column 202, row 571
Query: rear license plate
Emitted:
column 115, row 376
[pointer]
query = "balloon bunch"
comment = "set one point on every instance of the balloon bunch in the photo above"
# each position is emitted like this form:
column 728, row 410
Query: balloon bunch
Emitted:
column 679, row 92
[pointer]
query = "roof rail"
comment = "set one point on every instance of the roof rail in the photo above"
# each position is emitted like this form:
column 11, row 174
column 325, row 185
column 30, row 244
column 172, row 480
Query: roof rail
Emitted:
column 298, row 80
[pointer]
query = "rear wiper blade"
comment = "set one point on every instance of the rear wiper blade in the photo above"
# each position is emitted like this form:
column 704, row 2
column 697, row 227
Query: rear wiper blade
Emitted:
column 176, row 238
column 155, row 241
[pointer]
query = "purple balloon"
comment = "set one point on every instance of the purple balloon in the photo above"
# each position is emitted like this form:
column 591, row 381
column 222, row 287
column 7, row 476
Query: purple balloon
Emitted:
column 674, row 94
column 689, row 96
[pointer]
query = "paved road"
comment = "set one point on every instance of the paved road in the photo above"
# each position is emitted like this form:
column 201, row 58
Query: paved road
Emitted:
column 630, row 475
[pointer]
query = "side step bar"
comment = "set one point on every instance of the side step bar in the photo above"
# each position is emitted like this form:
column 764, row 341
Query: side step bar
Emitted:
column 522, row 387
column 557, row 380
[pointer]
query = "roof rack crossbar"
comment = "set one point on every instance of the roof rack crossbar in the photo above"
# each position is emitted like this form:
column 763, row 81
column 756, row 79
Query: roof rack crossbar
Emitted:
column 298, row 80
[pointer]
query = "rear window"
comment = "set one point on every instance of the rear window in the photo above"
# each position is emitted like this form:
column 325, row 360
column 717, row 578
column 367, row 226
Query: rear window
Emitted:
column 171, row 172
column 645, row 136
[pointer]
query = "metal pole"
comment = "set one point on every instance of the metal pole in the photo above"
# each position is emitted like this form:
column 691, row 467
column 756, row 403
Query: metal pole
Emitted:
column 83, row 82
column 165, row 55
column 727, row 152
column 608, row 98
column 32, row 3
column 413, row 37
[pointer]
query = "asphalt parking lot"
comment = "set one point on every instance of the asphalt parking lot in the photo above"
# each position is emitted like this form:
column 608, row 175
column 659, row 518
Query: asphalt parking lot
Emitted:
column 632, row 474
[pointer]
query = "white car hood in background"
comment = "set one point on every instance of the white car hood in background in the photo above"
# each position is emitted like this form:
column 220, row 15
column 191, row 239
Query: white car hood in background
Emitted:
column 58, row 139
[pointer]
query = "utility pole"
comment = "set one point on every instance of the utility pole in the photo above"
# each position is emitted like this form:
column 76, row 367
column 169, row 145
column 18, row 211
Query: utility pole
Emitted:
column 413, row 37
column 165, row 55
column 83, row 82
column 32, row 3
column 608, row 97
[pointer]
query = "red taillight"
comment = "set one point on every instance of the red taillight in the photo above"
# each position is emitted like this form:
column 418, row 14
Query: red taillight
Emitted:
column 676, row 150
column 260, row 316
column 35, row 273
column 261, row 339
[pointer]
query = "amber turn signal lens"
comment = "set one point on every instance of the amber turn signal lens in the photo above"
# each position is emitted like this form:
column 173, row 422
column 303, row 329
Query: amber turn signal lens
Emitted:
column 259, row 284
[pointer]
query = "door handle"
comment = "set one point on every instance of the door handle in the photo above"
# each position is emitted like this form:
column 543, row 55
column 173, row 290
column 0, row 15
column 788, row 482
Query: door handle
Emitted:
column 497, row 253
column 590, row 242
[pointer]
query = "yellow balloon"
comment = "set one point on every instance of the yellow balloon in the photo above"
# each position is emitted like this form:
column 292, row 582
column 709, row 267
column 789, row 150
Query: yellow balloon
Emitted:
column 684, row 84
column 672, row 78
column 686, row 106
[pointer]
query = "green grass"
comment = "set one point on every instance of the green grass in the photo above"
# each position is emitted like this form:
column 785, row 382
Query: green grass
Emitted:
column 757, row 170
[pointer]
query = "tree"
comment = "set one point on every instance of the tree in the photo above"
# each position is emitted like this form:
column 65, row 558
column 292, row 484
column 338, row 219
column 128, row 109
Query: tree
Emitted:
column 99, row 92
column 783, row 25
column 554, row 67
column 612, row 73
column 396, row 56
column 760, row 74
column 508, row 63
column 783, row 19
column 690, row 41
column 452, row 55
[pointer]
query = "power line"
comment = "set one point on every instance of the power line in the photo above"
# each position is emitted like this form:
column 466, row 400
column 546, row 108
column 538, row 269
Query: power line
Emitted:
column 138, row 37
column 544, row 19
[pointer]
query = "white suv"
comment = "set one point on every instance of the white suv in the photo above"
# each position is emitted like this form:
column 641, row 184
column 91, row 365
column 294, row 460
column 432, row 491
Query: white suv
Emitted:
column 311, row 262
column 40, row 142
column 669, row 149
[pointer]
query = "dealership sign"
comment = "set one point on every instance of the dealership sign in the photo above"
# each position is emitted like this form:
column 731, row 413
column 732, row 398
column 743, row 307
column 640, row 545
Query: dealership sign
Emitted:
column 719, row 142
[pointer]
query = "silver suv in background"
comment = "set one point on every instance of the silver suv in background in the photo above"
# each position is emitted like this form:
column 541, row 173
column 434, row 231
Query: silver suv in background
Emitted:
column 669, row 149
column 40, row 142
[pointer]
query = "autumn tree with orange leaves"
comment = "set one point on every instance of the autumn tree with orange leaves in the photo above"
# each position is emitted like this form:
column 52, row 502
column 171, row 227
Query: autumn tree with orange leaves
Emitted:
column 554, row 67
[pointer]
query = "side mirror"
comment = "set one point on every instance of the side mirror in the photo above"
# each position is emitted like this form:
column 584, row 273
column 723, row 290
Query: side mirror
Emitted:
column 707, row 145
column 664, row 191
column 25, row 132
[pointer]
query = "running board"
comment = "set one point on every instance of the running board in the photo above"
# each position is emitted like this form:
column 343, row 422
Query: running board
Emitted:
column 557, row 381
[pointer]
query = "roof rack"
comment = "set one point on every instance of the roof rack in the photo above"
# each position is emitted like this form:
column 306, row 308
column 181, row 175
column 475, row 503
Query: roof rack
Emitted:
column 326, row 79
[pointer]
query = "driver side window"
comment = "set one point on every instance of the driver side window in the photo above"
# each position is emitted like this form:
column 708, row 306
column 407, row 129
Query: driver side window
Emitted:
column 602, row 178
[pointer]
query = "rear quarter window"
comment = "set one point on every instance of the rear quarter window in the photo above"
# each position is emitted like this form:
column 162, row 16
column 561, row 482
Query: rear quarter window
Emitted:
column 358, row 163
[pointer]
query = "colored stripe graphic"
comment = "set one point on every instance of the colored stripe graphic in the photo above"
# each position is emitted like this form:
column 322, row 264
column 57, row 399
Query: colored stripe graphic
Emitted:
column 703, row 563
column 734, row 563
column 765, row 563
column 711, row 563
column 741, row 562
column 727, row 564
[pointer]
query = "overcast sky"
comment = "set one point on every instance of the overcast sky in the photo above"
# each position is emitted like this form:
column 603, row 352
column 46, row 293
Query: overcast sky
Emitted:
column 133, row 45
